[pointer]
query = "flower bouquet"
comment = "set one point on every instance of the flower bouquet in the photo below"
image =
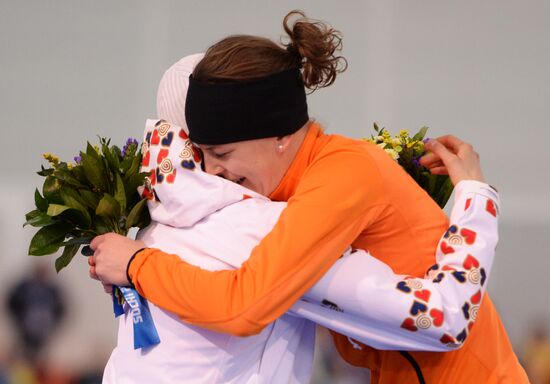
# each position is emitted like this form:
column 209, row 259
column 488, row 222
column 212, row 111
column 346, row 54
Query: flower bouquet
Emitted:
column 95, row 195
column 406, row 151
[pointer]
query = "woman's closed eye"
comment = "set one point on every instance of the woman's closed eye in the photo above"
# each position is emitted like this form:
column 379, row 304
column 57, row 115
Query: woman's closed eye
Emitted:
column 220, row 155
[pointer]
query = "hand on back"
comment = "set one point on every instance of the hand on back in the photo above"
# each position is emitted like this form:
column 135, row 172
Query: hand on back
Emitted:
column 448, row 155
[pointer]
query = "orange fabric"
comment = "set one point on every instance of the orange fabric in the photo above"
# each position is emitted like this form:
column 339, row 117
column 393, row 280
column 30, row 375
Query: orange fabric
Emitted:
column 339, row 192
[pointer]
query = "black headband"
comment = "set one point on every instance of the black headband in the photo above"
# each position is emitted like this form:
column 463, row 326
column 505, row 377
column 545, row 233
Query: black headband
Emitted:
column 222, row 113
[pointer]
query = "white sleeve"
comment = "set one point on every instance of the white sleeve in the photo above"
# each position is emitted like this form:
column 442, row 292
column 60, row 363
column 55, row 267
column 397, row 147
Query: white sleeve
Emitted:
column 362, row 298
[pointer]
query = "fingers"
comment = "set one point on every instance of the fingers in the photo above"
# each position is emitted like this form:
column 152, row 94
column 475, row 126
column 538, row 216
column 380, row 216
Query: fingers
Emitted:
column 439, row 171
column 429, row 159
column 452, row 143
column 108, row 288
column 434, row 164
column 452, row 156
column 441, row 151
column 93, row 274
column 95, row 242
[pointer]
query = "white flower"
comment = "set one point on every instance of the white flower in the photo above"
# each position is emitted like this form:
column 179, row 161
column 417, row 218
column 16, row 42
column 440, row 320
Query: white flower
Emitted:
column 393, row 153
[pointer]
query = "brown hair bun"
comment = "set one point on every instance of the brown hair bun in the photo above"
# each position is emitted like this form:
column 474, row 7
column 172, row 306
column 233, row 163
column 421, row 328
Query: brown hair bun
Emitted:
column 315, row 44
column 312, row 47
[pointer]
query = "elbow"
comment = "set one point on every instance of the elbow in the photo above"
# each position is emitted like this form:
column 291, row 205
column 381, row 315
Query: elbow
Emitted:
column 453, row 346
column 238, row 327
column 247, row 332
column 454, row 337
column 247, row 328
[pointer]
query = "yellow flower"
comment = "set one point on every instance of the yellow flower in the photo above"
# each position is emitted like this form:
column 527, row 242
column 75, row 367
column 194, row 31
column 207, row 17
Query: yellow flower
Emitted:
column 404, row 133
column 419, row 148
column 388, row 140
column 52, row 159
column 70, row 166
column 370, row 140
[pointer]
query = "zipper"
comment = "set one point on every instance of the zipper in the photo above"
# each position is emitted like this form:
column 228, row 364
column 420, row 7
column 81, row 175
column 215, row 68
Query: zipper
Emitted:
column 415, row 365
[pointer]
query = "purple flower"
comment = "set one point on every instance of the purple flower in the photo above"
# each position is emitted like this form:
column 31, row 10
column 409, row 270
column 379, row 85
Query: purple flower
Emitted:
column 426, row 140
column 416, row 161
column 78, row 159
column 129, row 142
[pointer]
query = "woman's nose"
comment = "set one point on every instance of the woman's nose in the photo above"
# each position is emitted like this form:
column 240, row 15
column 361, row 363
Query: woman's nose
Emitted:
column 212, row 167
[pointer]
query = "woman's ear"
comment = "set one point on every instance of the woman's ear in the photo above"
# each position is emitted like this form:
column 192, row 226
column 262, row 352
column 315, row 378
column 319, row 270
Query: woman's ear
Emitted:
column 283, row 142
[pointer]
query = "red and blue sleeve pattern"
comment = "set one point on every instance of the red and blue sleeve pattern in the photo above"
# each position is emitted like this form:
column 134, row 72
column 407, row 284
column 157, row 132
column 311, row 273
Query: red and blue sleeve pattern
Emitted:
column 362, row 298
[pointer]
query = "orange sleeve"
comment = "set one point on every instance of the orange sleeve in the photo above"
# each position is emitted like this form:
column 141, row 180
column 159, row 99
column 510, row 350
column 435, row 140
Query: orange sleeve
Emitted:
column 338, row 196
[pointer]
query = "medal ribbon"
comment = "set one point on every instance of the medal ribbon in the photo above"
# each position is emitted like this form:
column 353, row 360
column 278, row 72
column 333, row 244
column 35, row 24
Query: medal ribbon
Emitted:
column 145, row 333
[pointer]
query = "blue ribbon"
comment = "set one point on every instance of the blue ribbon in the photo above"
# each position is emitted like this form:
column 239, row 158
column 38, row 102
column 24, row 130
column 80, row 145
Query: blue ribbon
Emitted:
column 145, row 333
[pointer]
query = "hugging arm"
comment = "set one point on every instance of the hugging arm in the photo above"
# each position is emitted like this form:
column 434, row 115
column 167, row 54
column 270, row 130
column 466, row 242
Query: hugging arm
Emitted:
column 307, row 239
column 304, row 244
column 362, row 298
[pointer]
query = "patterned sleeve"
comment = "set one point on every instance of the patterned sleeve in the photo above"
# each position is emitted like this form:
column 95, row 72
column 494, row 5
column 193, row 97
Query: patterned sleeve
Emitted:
column 390, row 311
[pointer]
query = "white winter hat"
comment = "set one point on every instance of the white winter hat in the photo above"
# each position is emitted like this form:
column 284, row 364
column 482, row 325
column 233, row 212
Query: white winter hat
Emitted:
column 173, row 90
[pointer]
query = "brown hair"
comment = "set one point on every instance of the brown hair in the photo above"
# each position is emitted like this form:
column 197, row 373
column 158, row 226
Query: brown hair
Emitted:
column 312, row 46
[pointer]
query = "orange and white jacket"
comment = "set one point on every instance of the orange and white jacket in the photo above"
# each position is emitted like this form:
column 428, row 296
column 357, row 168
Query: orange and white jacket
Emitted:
column 376, row 307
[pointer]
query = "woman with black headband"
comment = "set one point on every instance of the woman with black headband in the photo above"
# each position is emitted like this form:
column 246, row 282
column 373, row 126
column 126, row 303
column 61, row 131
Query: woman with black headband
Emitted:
column 247, row 110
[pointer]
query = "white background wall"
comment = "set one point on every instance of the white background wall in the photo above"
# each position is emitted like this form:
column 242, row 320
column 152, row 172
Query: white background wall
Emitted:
column 70, row 70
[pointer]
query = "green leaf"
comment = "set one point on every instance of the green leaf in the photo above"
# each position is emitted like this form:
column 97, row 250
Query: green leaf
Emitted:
column 91, row 151
column 66, row 257
column 131, row 184
column 72, row 198
column 84, row 240
column 108, row 207
column 104, row 142
column 79, row 174
column 48, row 239
column 120, row 194
column 125, row 165
column 134, row 168
column 444, row 190
column 37, row 218
column 56, row 209
column 138, row 216
column 116, row 152
column 45, row 171
column 32, row 214
column 94, row 171
column 80, row 213
column 66, row 175
column 103, row 225
column 89, row 198
column 112, row 159
column 40, row 202
column 51, row 189
column 420, row 135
